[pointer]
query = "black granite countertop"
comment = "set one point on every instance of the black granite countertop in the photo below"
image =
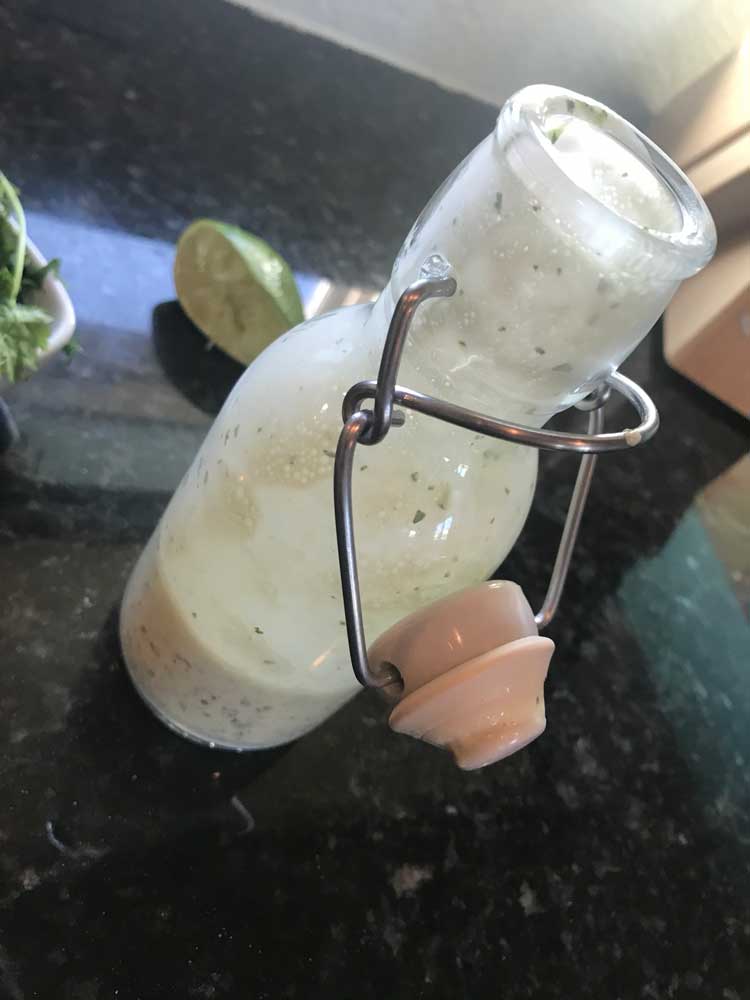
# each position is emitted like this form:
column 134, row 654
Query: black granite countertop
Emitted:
column 611, row 859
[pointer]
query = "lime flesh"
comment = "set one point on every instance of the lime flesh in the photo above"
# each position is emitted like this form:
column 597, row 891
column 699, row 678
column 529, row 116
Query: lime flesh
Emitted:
column 235, row 288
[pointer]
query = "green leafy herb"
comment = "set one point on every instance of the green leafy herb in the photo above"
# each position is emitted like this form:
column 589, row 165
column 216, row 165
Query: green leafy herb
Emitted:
column 72, row 348
column 33, row 277
column 554, row 134
column 419, row 516
column 24, row 331
column 12, row 243
column 24, row 328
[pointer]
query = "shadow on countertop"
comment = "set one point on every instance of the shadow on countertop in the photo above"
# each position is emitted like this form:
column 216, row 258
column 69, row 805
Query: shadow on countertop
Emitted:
column 203, row 373
column 139, row 768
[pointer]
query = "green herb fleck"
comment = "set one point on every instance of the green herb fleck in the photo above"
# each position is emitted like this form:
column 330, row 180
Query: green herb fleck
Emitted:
column 362, row 468
column 596, row 115
column 499, row 202
column 554, row 133
column 558, row 270
column 414, row 477
column 564, row 367
column 535, row 267
column 418, row 516
column 33, row 278
column 540, row 350
column 502, row 329
column 329, row 453
column 258, row 630
column 570, row 105
column 600, row 116
column 462, row 343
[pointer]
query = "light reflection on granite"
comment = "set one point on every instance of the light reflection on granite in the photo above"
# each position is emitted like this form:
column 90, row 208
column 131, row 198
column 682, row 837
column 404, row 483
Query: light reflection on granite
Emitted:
column 694, row 636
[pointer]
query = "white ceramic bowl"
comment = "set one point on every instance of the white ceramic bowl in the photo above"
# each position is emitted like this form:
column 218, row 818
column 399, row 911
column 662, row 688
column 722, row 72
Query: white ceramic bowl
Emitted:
column 55, row 301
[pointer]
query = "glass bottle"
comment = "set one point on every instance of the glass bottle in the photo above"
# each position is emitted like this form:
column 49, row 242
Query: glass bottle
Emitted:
column 568, row 233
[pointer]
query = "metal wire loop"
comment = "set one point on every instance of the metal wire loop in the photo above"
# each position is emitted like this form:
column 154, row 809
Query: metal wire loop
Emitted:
column 384, row 385
column 364, row 426
column 545, row 440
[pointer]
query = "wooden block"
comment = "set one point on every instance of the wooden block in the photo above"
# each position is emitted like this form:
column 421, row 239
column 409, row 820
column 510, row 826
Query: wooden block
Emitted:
column 707, row 327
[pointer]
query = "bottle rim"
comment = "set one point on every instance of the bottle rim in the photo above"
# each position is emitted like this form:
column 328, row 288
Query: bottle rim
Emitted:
column 528, row 117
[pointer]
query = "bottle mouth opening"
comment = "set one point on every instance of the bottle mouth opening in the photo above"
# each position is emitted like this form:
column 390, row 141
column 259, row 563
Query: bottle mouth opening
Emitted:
column 552, row 129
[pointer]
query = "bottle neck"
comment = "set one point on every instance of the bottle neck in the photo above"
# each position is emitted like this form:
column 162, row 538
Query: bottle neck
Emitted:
column 437, row 360
column 554, row 290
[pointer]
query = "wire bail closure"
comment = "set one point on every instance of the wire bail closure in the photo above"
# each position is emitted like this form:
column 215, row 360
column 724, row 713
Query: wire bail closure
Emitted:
column 370, row 426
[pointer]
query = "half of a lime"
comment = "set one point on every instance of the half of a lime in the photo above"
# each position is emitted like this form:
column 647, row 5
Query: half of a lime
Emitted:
column 235, row 288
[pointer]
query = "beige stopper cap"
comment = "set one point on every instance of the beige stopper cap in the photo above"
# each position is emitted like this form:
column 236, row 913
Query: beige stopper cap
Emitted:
column 473, row 667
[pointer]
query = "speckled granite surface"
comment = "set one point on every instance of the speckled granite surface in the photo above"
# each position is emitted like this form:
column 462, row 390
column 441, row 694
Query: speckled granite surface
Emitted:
column 609, row 860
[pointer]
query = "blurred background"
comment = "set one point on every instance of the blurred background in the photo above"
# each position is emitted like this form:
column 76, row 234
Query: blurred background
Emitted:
column 636, row 55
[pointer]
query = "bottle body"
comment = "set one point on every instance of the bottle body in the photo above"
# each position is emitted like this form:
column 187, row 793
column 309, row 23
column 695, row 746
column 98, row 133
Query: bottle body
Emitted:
column 565, row 254
column 232, row 623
